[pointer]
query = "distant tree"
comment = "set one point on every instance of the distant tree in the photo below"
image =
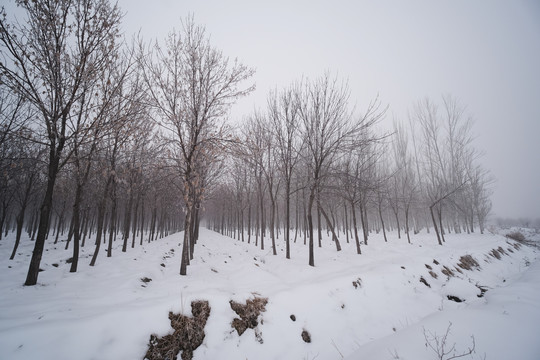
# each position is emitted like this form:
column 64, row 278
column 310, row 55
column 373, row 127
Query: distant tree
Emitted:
column 285, row 124
column 329, row 130
column 26, row 171
column 446, row 151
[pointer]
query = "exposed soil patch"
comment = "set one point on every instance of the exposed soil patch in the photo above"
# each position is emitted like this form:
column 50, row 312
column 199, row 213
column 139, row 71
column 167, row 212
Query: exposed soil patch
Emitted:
column 249, row 313
column 187, row 336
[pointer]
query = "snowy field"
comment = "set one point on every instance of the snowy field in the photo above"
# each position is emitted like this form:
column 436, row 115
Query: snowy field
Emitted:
column 369, row 306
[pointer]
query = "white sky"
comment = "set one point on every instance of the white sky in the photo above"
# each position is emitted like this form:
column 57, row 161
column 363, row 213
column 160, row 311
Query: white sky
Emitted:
column 484, row 52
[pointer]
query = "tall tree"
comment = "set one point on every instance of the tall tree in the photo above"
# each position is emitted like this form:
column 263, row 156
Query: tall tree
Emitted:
column 192, row 86
column 285, row 124
column 329, row 129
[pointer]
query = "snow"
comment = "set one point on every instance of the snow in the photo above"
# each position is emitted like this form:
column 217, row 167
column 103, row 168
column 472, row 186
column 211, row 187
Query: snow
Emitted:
column 107, row 312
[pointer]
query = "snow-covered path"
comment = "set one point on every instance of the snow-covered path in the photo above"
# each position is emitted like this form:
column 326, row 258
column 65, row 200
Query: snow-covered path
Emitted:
column 107, row 312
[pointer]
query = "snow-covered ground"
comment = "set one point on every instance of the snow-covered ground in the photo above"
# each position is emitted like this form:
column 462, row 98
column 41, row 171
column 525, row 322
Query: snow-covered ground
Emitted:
column 107, row 312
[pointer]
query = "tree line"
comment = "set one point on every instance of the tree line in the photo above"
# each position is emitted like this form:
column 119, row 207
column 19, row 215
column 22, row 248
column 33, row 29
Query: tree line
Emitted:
column 325, row 168
column 105, row 139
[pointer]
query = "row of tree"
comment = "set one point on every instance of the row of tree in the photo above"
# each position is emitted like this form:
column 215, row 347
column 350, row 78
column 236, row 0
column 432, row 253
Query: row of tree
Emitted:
column 103, row 139
column 309, row 150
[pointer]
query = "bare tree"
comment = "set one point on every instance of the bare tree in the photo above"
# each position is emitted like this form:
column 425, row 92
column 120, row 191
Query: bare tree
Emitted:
column 192, row 86
column 447, row 149
column 329, row 129
column 285, row 124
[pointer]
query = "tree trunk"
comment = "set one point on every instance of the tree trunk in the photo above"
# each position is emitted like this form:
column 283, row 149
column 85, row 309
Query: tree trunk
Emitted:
column 272, row 223
column 319, row 222
column 309, row 211
column 127, row 221
column 112, row 222
column 45, row 212
column 407, row 223
column 346, row 222
column 435, row 224
column 395, row 211
column 185, row 247
column 134, row 223
column 262, row 217
column 331, row 227
column 356, row 238
column 363, row 218
column 76, row 227
column 287, row 219
column 20, row 216
column 382, row 222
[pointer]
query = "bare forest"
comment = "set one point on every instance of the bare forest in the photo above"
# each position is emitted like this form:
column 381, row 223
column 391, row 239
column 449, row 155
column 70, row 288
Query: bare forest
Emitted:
column 106, row 139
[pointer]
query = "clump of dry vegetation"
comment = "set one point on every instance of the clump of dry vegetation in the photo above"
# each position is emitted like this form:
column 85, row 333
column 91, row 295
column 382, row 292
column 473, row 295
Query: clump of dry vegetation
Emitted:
column 495, row 254
column 467, row 262
column 187, row 336
column 423, row 281
column 446, row 271
column 516, row 235
column 248, row 313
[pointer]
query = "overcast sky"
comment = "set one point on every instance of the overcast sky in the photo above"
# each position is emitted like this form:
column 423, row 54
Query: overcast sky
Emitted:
column 484, row 52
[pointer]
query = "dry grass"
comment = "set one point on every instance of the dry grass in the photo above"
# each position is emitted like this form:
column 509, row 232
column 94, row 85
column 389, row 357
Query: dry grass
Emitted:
column 187, row 336
column 248, row 313
column 467, row 262
column 423, row 281
column 516, row 235
column 495, row 254
column 446, row 271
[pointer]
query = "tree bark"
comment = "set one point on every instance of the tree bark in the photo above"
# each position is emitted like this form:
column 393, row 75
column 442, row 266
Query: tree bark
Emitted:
column 45, row 212
column 331, row 227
